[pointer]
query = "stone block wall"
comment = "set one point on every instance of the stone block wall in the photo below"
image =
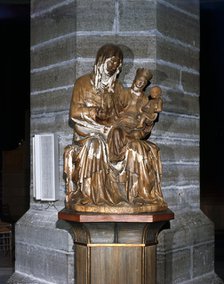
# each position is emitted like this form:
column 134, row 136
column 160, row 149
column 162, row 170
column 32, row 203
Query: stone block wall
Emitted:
column 162, row 35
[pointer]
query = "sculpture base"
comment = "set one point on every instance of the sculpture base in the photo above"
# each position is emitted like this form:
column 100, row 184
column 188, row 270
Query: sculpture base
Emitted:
column 80, row 217
column 115, row 248
column 119, row 209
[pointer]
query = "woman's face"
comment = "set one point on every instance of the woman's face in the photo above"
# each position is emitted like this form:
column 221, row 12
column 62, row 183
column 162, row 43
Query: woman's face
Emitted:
column 111, row 64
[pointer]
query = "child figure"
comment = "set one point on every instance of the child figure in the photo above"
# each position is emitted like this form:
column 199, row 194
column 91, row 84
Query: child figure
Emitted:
column 137, row 116
column 140, row 110
column 149, row 112
column 135, row 100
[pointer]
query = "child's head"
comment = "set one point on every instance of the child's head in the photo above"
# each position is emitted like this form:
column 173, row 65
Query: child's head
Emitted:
column 142, row 78
column 155, row 92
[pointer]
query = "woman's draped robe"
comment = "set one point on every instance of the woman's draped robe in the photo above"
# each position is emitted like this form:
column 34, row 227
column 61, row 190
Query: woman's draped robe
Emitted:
column 133, row 178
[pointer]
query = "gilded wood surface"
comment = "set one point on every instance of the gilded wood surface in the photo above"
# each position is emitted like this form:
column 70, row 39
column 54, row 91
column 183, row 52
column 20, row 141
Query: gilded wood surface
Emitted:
column 111, row 167
column 69, row 215
column 115, row 263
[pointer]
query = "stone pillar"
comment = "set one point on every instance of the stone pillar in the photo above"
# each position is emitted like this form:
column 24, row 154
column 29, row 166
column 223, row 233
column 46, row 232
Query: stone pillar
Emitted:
column 162, row 35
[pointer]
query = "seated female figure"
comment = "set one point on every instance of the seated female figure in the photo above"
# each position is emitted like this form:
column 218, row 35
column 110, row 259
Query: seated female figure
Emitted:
column 108, row 168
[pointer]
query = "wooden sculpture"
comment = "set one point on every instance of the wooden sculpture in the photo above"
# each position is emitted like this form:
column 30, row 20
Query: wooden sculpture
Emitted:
column 111, row 167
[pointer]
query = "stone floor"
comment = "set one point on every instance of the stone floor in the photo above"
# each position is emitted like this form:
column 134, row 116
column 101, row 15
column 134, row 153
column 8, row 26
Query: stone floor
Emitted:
column 6, row 267
column 219, row 254
column 7, row 264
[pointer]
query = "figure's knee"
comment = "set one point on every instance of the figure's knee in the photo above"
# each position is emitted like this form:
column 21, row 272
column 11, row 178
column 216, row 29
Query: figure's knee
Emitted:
column 94, row 146
column 153, row 147
column 115, row 133
column 93, row 142
column 118, row 130
column 134, row 145
column 139, row 147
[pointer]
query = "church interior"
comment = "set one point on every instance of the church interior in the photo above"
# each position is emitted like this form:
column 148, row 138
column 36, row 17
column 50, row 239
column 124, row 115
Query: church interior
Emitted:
column 15, row 124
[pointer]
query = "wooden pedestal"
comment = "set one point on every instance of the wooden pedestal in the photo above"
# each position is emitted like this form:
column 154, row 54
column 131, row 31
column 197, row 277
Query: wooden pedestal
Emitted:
column 114, row 248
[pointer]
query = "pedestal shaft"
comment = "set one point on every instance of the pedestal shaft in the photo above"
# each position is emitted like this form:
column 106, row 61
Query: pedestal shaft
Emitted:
column 119, row 252
column 121, row 264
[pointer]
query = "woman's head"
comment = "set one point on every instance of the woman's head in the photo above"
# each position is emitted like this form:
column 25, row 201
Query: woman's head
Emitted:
column 109, row 51
column 107, row 66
